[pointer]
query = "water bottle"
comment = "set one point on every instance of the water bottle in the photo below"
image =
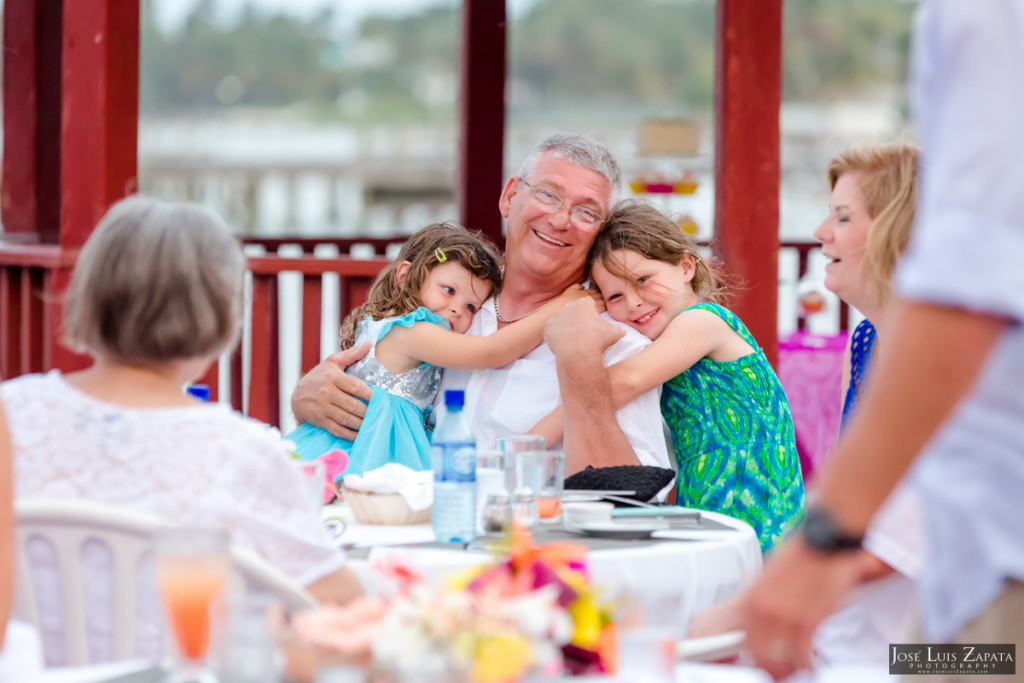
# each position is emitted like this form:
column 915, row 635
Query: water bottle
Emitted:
column 453, row 459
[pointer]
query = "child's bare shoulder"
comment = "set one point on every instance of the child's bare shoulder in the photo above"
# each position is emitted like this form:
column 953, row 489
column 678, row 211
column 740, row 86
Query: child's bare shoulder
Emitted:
column 698, row 319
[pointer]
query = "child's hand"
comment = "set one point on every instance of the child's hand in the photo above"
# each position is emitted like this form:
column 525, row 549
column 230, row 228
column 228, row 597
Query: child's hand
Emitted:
column 571, row 293
column 576, row 292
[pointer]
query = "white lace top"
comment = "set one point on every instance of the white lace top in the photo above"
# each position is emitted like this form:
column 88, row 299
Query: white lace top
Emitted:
column 201, row 464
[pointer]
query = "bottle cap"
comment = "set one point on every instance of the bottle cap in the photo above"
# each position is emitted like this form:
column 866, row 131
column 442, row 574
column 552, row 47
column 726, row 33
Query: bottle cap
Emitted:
column 454, row 398
column 499, row 498
column 522, row 496
column 200, row 391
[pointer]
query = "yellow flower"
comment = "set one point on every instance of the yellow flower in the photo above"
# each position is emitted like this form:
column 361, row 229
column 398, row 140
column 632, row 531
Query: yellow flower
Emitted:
column 587, row 617
column 460, row 580
column 502, row 658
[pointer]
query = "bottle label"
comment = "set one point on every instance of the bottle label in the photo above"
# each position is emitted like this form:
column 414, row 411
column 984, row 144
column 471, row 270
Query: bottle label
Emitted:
column 457, row 462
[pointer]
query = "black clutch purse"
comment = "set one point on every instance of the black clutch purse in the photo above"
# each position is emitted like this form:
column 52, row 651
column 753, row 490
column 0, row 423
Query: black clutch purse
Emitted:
column 645, row 480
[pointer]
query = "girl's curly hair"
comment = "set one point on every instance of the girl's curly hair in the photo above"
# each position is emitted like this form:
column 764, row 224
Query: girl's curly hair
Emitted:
column 428, row 248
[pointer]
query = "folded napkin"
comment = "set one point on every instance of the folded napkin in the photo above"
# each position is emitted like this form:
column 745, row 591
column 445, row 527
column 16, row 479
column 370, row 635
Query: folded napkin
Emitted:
column 417, row 488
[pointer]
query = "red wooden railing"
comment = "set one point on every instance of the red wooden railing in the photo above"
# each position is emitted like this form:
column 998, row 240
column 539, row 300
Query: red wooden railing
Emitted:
column 254, row 378
column 30, row 281
column 32, row 278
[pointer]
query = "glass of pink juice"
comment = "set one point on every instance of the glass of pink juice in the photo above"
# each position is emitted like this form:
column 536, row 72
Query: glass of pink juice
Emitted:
column 192, row 570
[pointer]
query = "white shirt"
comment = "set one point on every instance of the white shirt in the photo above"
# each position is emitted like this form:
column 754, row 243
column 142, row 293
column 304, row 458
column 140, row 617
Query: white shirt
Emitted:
column 202, row 465
column 968, row 251
column 881, row 611
column 510, row 400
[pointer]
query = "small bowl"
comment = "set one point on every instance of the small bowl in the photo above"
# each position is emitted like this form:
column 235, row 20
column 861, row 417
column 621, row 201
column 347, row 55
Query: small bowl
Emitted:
column 589, row 512
column 383, row 508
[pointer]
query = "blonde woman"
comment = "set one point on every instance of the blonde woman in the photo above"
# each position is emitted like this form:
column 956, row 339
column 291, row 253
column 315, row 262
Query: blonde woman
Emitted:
column 871, row 215
column 156, row 296
column 870, row 218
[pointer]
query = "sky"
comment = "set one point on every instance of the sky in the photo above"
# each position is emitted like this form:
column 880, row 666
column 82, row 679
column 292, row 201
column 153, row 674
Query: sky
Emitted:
column 170, row 13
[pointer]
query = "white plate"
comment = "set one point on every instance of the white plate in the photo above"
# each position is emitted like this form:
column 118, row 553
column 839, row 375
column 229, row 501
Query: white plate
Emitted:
column 570, row 497
column 699, row 534
column 712, row 648
column 623, row 530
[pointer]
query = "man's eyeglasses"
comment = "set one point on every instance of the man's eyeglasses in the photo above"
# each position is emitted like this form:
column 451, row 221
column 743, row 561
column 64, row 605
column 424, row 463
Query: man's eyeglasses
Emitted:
column 582, row 217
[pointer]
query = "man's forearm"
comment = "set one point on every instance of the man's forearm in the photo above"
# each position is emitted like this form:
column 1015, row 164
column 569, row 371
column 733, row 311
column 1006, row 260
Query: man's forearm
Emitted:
column 592, row 434
column 928, row 362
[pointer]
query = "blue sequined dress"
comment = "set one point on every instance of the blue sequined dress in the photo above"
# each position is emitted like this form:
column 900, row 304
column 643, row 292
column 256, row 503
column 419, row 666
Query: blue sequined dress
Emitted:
column 393, row 428
column 863, row 344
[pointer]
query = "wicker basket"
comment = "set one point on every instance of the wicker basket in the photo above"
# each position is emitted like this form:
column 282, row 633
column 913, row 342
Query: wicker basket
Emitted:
column 383, row 508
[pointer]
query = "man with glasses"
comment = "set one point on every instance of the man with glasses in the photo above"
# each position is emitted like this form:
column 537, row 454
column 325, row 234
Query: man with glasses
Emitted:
column 554, row 207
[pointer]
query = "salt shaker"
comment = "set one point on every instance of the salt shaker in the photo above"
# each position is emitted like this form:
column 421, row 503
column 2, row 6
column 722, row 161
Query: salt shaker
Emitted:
column 524, row 508
column 497, row 513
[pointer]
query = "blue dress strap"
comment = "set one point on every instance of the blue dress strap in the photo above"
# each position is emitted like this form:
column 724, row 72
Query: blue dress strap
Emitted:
column 861, row 346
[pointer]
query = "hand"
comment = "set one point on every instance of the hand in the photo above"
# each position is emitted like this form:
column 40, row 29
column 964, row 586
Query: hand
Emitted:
column 798, row 589
column 572, row 293
column 721, row 618
column 328, row 397
column 599, row 304
column 578, row 329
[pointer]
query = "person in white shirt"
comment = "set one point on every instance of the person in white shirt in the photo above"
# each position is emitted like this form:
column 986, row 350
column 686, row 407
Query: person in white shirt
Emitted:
column 156, row 296
column 947, row 380
column 554, row 207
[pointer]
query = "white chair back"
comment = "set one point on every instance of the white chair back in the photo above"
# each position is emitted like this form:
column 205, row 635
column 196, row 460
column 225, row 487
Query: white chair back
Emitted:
column 85, row 580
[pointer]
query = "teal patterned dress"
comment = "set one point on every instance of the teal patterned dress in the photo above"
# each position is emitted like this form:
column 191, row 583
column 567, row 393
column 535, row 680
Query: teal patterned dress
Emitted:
column 734, row 440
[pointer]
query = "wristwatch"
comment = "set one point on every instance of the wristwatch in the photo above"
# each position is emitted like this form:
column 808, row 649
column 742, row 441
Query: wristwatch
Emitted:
column 822, row 533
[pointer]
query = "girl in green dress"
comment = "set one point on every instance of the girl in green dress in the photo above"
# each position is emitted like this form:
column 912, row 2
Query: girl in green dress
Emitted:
column 728, row 415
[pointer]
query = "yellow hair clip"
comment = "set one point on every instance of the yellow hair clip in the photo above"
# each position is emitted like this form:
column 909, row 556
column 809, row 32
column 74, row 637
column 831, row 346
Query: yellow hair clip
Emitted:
column 440, row 255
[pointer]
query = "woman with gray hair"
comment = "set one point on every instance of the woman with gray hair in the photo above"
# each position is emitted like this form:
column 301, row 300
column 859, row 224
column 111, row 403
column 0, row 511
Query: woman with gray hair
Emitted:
column 155, row 297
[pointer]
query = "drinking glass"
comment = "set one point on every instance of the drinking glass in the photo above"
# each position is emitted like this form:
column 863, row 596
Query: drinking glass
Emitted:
column 652, row 621
column 192, row 570
column 312, row 472
column 543, row 472
column 520, row 443
column 492, row 476
column 250, row 653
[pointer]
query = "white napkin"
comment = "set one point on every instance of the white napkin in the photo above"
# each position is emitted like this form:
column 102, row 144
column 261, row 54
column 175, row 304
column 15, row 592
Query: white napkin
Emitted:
column 417, row 488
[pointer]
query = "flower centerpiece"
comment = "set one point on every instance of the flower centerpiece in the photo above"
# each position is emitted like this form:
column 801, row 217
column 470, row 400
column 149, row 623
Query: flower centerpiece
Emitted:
column 534, row 609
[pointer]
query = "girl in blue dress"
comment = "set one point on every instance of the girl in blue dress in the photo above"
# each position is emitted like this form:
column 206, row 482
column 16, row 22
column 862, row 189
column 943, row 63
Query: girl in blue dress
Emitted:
column 415, row 320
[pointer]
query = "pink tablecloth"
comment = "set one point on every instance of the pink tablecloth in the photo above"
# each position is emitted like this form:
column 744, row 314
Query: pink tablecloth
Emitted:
column 811, row 370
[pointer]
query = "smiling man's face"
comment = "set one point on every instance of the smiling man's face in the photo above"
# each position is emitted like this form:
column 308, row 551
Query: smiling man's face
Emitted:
column 550, row 246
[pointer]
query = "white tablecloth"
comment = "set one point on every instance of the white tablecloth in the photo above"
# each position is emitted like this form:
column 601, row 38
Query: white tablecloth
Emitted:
column 705, row 571
column 718, row 673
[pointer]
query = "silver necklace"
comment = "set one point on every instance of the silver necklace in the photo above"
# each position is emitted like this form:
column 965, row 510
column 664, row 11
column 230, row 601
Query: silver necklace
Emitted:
column 497, row 312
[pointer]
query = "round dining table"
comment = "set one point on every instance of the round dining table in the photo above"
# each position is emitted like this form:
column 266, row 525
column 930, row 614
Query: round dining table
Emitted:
column 706, row 562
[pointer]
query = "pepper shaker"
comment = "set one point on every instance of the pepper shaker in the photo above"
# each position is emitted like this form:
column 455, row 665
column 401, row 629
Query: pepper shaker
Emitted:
column 497, row 513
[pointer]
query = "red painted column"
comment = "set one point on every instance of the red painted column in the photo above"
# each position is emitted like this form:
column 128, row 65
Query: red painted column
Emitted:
column 30, row 203
column 100, row 112
column 748, row 94
column 482, row 116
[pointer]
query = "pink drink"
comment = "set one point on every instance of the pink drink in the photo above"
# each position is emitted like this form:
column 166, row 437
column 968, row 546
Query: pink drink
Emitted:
column 189, row 585
column 548, row 508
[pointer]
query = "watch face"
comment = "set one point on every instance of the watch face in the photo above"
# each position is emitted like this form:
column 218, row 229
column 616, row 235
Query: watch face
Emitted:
column 817, row 531
column 823, row 533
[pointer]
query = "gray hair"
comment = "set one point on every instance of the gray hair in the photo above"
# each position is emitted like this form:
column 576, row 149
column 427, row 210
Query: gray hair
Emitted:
column 156, row 282
column 580, row 149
